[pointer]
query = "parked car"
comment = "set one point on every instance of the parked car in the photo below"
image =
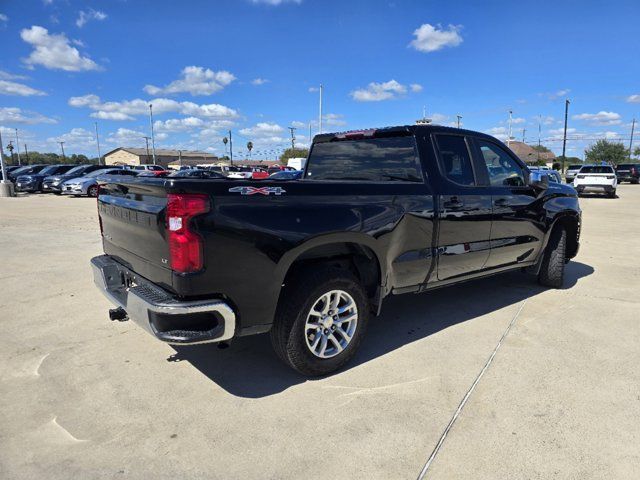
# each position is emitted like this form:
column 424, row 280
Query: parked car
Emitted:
column 88, row 185
column 279, row 168
column 601, row 178
column 394, row 210
column 24, row 170
column 153, row 168
column 286, row 175
column 571, row 172
column 554, row 175
column 33, row 182
column 255, row 173
column 53, row 183
column 628, row 172
column 196, row 173
column 9, row 169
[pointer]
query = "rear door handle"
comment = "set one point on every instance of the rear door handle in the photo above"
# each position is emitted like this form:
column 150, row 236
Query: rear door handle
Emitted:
column 453, row 203
column 501, row 202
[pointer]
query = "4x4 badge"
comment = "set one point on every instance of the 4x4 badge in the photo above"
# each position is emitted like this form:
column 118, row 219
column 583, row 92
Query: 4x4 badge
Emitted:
column 258, row 190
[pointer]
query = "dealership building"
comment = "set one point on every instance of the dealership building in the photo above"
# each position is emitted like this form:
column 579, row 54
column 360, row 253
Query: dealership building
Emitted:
column 140, row 156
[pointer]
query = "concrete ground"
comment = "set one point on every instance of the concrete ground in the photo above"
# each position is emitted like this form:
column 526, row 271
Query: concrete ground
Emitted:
column 82, row 397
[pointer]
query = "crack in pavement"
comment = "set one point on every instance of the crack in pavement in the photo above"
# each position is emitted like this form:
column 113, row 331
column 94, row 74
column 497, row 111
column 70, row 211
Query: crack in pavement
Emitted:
column 442, row 438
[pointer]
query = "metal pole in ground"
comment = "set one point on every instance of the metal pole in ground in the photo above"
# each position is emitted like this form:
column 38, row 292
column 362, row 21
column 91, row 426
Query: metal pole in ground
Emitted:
column 564, row 138
column 153, row 140
column 320, row 113
column 633, row 127
column 6, row 187
column 98, row 142
column 18, row 148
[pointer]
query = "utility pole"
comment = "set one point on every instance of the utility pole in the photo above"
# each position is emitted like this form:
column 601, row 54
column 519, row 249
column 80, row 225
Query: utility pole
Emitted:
column 293, row 139
column 459, row 117
column 564, row 138
column 153, row 141
column 539, row 134
column 320, row 114
column 62, row 147
column 633, row 127
column 18, row 147
column 524, row 130
column 98, row 143
column 146, row 141
column 230, row 149
column 310, row 139
column 26, row 153
column 510, row 120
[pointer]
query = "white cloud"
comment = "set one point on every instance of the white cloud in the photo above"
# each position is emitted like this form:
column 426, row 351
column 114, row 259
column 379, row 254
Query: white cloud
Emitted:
column 430, row 38
column 85, row 15
column 415, row 87
column 259, row 81
column 178, row 124
column 557, row 94
column 14, row 88
column 600, row 118
column 633, row 98
column 196, row 81
column 54, row 51
column 314, row 89
column 545, row 120
column 75, row 139
column 128, row 137
column 376, row 92
column 10, row 76
column 275, row 3
column 3, row 18
column 297, row 124
column 128, row 109
column 12, row 115
column 517, row 120
column 333, row 120
column 262, row 129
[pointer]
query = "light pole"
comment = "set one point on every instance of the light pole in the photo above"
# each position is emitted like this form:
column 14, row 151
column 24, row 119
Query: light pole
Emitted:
column 459, row 117
column 564, row 138
column 249, row 147
column 18, row 148
column 510, row 121
column 146, row 141
column 153, row 141
column 293, row 139
column 320, row 112
column 62, row 147
column 225, row 140
column 4, row 174
column 98, row 144
column 230, row 149
column 6, row 187
column 633, row 127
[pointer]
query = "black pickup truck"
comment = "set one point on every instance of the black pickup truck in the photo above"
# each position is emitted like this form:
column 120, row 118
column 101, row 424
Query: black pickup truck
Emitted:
column 377, row 212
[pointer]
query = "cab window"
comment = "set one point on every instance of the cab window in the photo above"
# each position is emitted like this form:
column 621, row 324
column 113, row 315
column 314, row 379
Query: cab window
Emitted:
column 503, row 169
column 455, row 160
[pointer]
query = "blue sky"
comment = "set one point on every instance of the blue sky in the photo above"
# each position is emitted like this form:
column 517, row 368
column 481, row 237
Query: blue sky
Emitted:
column 253, row 66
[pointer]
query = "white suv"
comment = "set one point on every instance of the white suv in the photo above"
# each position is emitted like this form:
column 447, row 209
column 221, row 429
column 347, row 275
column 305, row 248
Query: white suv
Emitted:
column 596, row 177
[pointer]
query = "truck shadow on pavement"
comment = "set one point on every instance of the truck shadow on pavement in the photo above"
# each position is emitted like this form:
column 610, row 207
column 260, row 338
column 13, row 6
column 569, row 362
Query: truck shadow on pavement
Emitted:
column 249, row 368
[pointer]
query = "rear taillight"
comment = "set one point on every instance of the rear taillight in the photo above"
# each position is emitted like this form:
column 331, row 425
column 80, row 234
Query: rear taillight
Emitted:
column 185, row 246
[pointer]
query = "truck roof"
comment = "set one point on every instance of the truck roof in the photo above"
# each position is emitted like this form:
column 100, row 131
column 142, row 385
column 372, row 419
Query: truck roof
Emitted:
column 395, row 131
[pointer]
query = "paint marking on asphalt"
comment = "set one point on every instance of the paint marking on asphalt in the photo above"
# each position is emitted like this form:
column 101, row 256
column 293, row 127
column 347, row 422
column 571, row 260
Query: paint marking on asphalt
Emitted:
column 435, row 451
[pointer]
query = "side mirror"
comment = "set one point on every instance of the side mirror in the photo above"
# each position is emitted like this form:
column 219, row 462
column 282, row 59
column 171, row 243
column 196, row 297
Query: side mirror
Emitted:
column 539, row 179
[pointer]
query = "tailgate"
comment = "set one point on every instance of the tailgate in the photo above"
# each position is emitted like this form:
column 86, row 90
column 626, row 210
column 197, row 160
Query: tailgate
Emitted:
column 132, row 215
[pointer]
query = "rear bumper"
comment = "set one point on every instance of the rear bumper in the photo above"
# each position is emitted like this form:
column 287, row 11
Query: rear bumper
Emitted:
column 158, row 312
column 600, row 187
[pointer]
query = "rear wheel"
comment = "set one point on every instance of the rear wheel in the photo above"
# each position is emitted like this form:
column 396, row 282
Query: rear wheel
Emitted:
column 93, row 191
column 552, row 268
column 321, row 320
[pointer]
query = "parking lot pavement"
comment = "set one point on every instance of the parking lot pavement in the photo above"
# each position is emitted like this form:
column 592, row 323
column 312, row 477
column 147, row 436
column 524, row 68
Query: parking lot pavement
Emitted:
column 87, row 398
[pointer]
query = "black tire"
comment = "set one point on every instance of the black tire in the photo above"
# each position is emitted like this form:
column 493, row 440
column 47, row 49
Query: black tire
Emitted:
column 552, row 268
column 92, row 191
column 298, row 297
column 634, row 181
column 612, row 194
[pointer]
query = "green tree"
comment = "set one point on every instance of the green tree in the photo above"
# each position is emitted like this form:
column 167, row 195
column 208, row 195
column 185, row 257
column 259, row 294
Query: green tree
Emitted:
column 293, row 153
column 636, row 152
column 606, row 151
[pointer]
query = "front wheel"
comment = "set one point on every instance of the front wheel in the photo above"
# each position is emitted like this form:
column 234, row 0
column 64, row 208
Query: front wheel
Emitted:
column 552, row 268
column 321, row 320
column 612, row 194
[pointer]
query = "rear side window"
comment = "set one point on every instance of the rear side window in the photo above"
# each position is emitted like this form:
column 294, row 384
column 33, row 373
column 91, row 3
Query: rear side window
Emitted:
column 596, row 169
column 374, row 160
column 625, row 166
column 455, row 159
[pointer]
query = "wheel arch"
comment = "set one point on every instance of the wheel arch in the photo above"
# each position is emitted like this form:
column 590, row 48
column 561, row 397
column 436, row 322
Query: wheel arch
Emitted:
column 357, row 252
